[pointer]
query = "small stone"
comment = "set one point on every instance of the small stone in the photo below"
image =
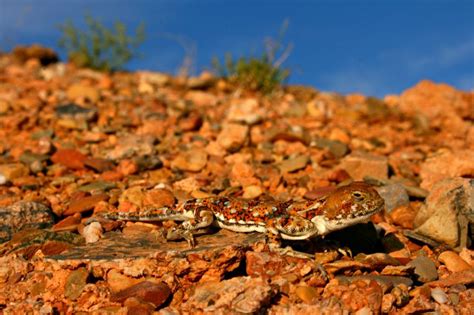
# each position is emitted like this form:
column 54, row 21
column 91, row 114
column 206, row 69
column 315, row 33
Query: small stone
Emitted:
column 294, row 164
column 78, row 91
column 252, row 191
column 99, row 186
column 92, row 232
column 134, row 196
column 232, row 136
column 155, row 293
column 453, row 262
column 99, row 165
column 439, row 295
column 75, row 283
column 12, row 171
column 191, row 123
column 307, row 294
column 192, row 160
column 70, row 158
column 360, row 165
column 119, row 282
column 69, row 223
column 337, row 148
column 84, row 204
column 394, row 195
column 403, row 216
column 159, row 198
column 425, row 268
column 446, row 164
column 131, row 145
column 75, row 111
column 247, row 111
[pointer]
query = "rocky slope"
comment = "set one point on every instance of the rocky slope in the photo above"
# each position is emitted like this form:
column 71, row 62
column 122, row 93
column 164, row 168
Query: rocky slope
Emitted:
column 74, row 142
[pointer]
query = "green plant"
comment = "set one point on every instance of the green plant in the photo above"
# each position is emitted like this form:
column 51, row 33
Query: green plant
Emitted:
column 99, row 47
column 263, row 73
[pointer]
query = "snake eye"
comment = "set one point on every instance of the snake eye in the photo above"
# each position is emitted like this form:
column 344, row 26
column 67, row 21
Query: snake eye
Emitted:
column 357, row 195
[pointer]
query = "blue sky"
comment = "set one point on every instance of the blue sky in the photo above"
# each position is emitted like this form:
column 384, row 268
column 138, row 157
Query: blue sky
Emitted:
column 372, row 47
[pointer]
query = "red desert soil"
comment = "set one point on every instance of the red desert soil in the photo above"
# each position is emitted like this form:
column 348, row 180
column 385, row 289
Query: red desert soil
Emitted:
column 75, row 142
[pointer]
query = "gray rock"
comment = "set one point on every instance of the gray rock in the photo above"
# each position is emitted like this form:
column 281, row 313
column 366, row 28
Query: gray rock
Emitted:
column 425, row 269
column 395, row 195
column 72, row 110
column 22, row 215
column 337, row 148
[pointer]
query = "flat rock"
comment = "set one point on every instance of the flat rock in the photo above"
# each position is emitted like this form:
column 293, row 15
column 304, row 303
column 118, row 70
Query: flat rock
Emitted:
column 192, row 160
column 425, row 269
column 293, row 164
column 240, row 294
column 70, row 158
column 147, row 291
column 360, row 165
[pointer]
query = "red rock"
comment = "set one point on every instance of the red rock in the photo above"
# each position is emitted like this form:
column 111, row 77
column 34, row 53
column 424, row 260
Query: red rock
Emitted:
column 465, row 277
column 155, row 293
column 69, row 223
column 193, row 160
column 112, row 176
column 84, row 204
column 99, row 165
column 70, row 158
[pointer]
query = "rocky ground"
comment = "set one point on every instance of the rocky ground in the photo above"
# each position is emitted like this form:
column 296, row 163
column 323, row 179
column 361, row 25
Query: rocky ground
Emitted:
column 74, row 142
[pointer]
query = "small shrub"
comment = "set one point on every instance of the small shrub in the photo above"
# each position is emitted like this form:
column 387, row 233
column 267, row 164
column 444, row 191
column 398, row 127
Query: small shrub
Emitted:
column 262, row 73
column 99, row 47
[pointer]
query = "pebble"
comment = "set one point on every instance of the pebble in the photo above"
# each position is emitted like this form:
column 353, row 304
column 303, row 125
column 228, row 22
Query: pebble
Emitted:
column 117, row 281
column 307, row 294
column 425, row 269
column 252, row 191
column 232, row 136
column 147, row 291
column 12, row 171
column 247, row 111
column 84, row 204
column 337, row 148
column 439, row 295
column 70, row 158
column 360, row 165
column 159, row 198
column 453, row 262
column 403, row 216
column 394, row 195
column 293, row 164
column 75, row 283
column 192, row 160
column 92, row 232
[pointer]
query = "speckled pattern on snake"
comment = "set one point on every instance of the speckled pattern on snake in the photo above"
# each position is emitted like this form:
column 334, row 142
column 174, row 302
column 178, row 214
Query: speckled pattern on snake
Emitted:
column 343, row 207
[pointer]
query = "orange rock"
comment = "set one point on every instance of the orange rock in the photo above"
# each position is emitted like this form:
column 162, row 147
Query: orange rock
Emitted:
column 159, row 198
column 453, row 262
column 403, row 216
column 70, row 158
column 84, row 204
column 69, row 223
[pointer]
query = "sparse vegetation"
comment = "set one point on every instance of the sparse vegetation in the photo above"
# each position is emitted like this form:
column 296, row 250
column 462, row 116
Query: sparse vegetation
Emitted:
column 99, row 47
column 263, row 73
